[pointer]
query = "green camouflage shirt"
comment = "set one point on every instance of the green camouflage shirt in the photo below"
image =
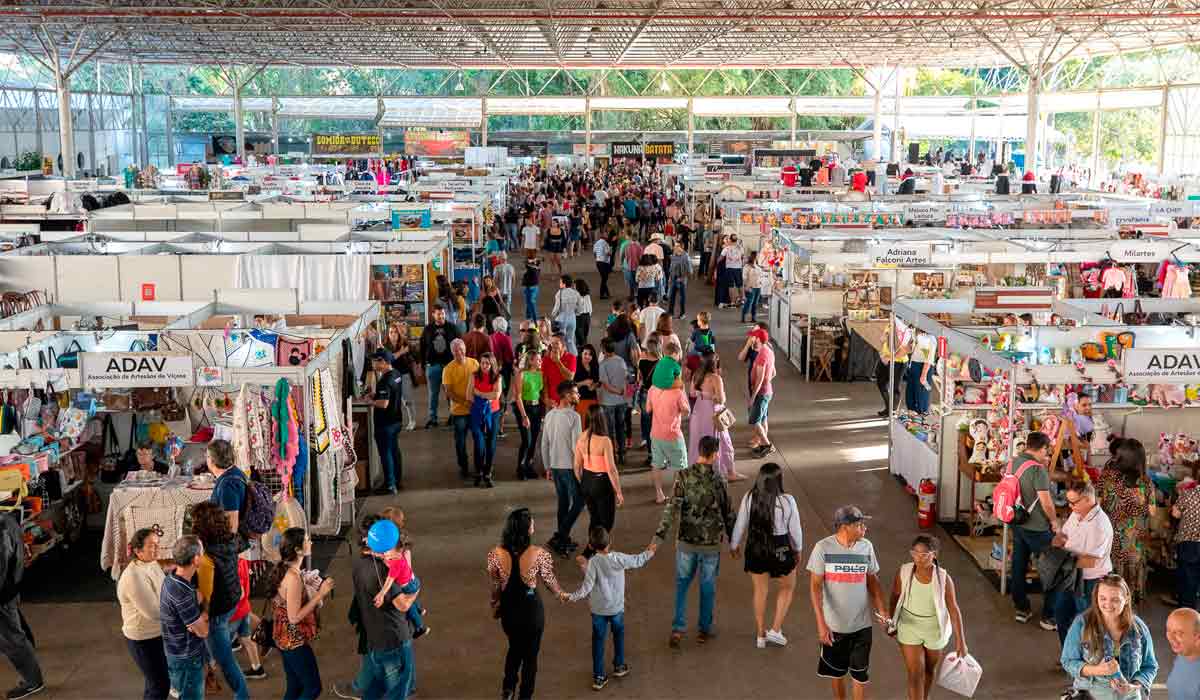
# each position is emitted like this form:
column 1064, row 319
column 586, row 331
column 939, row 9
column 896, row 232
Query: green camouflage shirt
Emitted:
column 701, row 503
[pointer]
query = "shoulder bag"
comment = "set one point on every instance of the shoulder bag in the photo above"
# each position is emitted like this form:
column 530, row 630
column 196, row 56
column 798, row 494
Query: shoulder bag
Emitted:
column 264, row 634
column 724, row 419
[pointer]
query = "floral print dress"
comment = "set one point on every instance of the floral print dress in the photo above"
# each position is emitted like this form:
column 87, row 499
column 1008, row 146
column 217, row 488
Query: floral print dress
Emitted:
column 1129, row 510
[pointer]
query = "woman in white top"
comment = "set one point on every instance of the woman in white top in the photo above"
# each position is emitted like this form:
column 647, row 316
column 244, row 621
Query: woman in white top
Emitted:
column 769, row 523
column 138, row 592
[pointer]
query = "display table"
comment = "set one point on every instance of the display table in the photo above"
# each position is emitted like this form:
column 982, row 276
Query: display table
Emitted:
column 170, row 500
column 911, row 458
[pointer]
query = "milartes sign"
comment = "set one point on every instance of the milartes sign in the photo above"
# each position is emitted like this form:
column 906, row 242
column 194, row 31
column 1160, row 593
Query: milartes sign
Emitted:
column 105, row 370
column 1162, row 365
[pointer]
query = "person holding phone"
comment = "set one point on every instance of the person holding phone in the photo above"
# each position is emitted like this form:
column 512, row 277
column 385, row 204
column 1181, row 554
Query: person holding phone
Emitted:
column 1109, row 653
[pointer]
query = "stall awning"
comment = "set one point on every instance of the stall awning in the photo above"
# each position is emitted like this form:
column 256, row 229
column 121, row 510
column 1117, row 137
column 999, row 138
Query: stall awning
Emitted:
column 464, row 112
column 545, row 106
column 636, row 103
column 219, row 104
column 360, row 108
column 742, row 106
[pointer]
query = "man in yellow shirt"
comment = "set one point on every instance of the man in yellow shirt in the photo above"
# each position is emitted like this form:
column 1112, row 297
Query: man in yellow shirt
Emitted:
column 456, row 377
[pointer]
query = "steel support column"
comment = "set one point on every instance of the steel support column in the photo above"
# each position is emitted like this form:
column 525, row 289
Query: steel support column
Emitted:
column 971, row 141
column 1162, row 133
column 691, row 129
column 793, row 119
column 91, row 107
column 239, row 128
column 169, row 129
column 66, row 123
column 37, row 124
column 275, row 126
column 1095, row 179
column 876, row 119
column 1033, row 97
column 587, row 131
column 483, row 122
column 896, row 144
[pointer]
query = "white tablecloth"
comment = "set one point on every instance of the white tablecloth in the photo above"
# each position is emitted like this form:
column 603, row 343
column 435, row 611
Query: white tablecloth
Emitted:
column 911, row 458
column 113, row 546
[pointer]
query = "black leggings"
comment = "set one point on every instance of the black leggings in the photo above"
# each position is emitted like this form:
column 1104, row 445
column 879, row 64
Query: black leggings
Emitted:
column 881, row 381
column 600, row 499
column 529, row 436
column 524, row 631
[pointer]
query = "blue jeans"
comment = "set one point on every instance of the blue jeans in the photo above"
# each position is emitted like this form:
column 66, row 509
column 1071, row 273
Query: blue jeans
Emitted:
column 686, row 564
column 751, row 304
column 531, row 294
column 187, row 676
column 414, row 611
column 303, row 675
column 631, row 281
column 1187, row 573
column 387, row 675
column 433, row 376
column 389, row 452
column 570, row 501
column 462, row 425
column 221, row 650
column 600, row 624
column 678, row 288
column 511, row 230
column 483, row 434
column 1066, row 607
column 644, row 416
column 566, row 324
column 616, row 428
column 1026, row 543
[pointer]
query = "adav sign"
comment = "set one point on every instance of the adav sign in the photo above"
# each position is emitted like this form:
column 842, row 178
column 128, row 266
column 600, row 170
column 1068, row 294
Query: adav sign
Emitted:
column 115, row 370
column 900, row 255
column 1162, row 365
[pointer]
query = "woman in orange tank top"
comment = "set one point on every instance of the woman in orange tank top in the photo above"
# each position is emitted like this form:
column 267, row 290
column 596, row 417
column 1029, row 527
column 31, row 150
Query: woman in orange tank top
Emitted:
column 597, row 472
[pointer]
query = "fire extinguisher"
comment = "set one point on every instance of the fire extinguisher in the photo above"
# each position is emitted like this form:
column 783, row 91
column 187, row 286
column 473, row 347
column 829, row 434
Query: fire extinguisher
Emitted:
column 926, row 503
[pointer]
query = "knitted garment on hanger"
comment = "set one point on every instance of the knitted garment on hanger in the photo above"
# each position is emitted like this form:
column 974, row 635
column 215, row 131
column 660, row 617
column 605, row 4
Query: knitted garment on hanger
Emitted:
column 285, row 441
column 327, row 425
column 250, row 429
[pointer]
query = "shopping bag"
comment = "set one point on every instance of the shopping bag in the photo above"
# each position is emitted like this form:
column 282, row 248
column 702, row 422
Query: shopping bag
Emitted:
column 960, row 675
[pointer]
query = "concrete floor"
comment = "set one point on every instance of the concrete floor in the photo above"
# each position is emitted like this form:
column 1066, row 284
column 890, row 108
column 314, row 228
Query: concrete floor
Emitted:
column 834, row 450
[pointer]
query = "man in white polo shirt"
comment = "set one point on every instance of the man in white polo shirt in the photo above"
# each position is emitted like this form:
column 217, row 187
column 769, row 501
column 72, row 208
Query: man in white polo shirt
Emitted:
column 1088, row 534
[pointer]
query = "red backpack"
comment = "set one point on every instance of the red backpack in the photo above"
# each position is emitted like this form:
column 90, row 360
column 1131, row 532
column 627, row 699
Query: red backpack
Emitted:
column 1006, row 498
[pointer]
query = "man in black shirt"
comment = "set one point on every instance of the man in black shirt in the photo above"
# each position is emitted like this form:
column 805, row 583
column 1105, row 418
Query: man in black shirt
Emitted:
column 435, row 354
column 387, row 402
column 387, row 667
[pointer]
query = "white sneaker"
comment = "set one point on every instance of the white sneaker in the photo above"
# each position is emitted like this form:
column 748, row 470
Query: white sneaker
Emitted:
column 776, row 637
column 761, row 642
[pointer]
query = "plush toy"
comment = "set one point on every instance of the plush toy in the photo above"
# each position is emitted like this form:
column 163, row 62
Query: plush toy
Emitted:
column 974, row 395
column 979, row 433
column 1166, row 457
column 1139, row 395
column 1168, row 395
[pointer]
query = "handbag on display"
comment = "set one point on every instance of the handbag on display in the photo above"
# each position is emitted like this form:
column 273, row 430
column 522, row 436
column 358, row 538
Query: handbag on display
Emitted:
column 116, row 400
column 85, row 402
column 145, row 398
column 1137, row 317
column 70, row 357
column 71, row 423
column 292, row 353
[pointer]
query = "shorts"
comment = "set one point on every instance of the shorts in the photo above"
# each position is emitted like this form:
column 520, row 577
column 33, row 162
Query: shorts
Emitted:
column 849, row 653
column 692, row 362
column 920, row 632
column 241, row 628
column 735, row 276
column 668, row 454
column 759, row 409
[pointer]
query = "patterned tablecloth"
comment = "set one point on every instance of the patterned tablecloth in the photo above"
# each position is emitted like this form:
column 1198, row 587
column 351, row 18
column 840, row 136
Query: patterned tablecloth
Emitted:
column 168, row 501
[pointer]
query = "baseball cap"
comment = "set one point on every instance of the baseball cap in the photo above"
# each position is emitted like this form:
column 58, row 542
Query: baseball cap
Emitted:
column 760, row 334
column 848, row 515
column 382, row 354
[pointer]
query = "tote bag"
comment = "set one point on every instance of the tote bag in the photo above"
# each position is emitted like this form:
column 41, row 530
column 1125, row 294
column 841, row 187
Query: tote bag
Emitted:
column 293, row 353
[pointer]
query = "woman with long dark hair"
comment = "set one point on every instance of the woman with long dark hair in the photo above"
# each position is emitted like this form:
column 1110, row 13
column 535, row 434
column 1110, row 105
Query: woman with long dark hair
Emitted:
column 596, row 470
column 139, row 591
column 295, row 614
column 219, row 584
column 708, row 389
column 925, row 609
column 529, row 393
column 1109, row 651
column 587, row 378
column 768, row 521
column 483, row 393
column 1127, row 497
column 514, row 568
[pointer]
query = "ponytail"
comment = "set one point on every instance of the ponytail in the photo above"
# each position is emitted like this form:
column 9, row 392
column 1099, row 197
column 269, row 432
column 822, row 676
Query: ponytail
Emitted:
column 291, row 547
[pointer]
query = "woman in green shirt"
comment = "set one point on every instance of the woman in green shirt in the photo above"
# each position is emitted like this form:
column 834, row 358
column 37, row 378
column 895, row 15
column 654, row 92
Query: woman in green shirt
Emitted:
column 529, row 385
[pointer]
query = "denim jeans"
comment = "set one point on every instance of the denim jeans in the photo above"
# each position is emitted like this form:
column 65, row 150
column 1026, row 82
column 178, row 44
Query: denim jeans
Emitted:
column 187, row 677
column 686, row 564
column 151, row 660
column 389, row 452
column 615, row 415
column 303, row 674
column 221, row 650
column 511, row 229
column 643, row 415
column 15, row 645
column 566, row 324
column 570, row 501
column 1067, row 606
column 387, row 675
column 678, row 288
column 413, row 615
column 631, row 281
column 600, row 625
column 751, row 304
column 462, row 426
column 1187, row 573
column 531, row 294
column 1026, row 543
column 483, row 434
column 433, row 376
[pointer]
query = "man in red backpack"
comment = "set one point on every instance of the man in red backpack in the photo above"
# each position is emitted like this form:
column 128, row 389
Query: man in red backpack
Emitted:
column 1034, row 535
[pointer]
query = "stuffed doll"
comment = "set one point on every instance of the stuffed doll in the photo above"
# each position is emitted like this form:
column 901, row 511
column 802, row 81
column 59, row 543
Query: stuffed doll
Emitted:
column 979, row 433
column 1167, row 395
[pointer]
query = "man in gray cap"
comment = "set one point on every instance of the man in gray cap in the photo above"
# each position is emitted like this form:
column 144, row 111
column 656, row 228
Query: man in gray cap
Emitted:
column 843, row 586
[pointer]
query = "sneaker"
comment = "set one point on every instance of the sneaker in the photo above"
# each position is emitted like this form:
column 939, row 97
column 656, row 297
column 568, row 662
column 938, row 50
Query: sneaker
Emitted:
column 488, row 483
column 237, row 645
column 776, row 637
column 24, row 690
column 255, row 674
column 349, row 694
column 621, row 671
column 1048, row 625
column 1023, row 616
column 598, row 682
column 705, row 637
column 760, row 642
column 422, row 632
column 430, row 424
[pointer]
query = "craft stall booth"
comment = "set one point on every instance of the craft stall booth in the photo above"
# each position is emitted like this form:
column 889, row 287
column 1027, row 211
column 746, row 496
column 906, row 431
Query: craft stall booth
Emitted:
column 996, row 383
column 281, row 395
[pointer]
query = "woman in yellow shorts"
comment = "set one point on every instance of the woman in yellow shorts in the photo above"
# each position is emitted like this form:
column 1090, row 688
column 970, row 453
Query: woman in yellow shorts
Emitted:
column 924, row 611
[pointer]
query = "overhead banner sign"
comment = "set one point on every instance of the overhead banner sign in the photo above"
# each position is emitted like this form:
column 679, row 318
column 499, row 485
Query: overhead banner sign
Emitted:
column 1174, row 210
column 1014, row 299
column 436, row 144
column 523, row 149
column 346, row 144
column 581, row 149
column 1124, row 216
column 922, row 213
column 1139, row 251
column 1161, row 365
column 123, row 370
column 660, row 149
column 900, row 255
column 627, row 149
